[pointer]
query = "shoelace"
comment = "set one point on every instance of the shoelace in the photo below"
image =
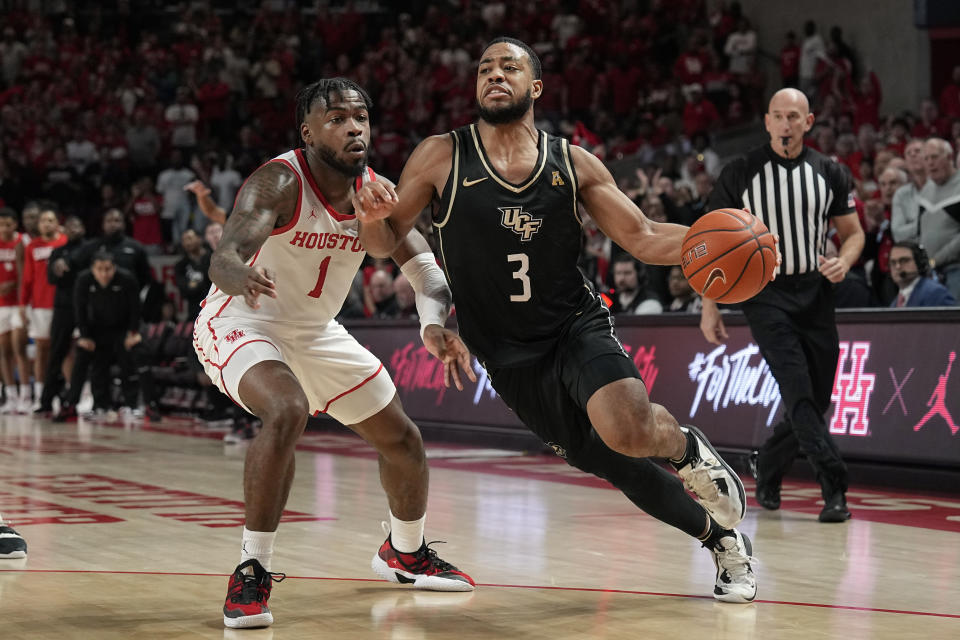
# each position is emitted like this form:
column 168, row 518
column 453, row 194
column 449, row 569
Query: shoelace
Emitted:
column 427, row 557
column 736, row 564
column 252, row 588
column 700, row 482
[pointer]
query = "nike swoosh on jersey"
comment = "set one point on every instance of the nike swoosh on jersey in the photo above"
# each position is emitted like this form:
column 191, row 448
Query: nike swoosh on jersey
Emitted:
column 470, row 183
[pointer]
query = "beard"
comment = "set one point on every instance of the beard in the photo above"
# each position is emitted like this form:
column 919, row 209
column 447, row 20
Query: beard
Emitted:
column 329, row 156
column 507, row 114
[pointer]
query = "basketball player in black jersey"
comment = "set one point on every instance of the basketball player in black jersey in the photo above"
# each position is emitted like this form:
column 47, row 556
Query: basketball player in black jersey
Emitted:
column 509, row 236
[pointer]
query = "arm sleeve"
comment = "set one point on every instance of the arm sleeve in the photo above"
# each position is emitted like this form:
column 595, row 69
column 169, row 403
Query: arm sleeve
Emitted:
column 725, row 191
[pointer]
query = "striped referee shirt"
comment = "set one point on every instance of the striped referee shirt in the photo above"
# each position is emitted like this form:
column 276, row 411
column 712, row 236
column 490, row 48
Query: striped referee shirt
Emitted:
column 794, row 198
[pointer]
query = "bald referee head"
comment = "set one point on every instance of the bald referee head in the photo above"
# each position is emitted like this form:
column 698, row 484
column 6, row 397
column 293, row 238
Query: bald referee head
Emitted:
column 788, row 118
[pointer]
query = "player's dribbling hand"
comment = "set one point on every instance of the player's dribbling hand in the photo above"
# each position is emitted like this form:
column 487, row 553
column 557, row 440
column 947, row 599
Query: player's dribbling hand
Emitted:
column 711, row 323
column 260, row 281
column 833, row 269
column 447, row 347
column 374, row 201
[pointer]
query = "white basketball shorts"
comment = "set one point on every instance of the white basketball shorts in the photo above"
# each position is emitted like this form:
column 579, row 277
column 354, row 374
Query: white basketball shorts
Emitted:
column 340, row 377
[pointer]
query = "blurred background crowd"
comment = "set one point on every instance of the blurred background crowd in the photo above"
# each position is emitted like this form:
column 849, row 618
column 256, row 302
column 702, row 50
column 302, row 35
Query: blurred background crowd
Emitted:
column 127, row 111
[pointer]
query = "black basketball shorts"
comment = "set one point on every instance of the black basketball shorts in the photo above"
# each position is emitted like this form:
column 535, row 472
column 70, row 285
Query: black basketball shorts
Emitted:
column 550, row 395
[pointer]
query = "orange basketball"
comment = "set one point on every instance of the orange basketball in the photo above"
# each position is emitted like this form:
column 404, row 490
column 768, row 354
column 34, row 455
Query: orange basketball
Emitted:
column 728, row 255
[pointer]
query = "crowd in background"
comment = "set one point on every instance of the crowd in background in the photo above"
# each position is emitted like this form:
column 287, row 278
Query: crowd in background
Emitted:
column 131, row 114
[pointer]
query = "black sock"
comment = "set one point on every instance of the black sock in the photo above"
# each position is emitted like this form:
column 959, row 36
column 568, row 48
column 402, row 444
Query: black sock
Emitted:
column 691, row 444
column 713, row 536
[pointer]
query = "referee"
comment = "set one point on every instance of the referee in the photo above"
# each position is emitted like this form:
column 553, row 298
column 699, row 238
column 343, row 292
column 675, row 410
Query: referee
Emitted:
column 797, row 192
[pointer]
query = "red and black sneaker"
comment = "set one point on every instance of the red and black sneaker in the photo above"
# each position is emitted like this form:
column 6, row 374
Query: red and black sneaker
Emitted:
column 247, row 596
column 422, row 568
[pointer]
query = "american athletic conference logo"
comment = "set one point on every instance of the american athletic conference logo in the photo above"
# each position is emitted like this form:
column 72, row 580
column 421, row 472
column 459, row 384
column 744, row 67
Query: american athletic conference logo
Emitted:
column 522, row 223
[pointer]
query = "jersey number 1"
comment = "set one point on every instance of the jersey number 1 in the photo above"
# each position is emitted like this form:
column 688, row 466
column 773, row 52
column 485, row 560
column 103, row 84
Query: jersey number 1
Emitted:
column 521, row 275
column 318, row 289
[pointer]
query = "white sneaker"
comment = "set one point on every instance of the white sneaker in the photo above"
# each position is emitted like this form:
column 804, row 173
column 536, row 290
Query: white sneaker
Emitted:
column 735, row 579
column 24, row 405
column 714, row 483
column 10, row 406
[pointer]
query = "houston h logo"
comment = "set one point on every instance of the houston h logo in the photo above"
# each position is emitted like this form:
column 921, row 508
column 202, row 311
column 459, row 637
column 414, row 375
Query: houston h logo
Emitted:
column 522, row 223
column 851, row 390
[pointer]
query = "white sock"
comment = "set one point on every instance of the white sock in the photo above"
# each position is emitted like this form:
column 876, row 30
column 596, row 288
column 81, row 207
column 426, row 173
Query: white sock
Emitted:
column 11, row 391
column 37, row 391
column 258, row 545
column 406, row 536
column 25, row 391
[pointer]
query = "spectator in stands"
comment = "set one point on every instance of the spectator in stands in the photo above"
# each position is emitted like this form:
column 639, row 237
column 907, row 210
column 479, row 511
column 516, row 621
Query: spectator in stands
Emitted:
column 879, row 240
column 684, row 297
column 630, row 294
column 741, row 47
column 36, row 300
column 812, row 52
column 190, row 272
column 143, row 143
column 404, row 295
column 910, row 268
column 62, row 277
column 212, row 235
column 127, row 253
column 176, row 205
column 143, row 211
column 950, row 96
column 905, row 209
column 380, row 302
column 225, row 181
column 9, row 307
column 12, row 54
column 107, row 309
column 699, row 114
column 182, row 117
column 939, row 216
column 790, row 61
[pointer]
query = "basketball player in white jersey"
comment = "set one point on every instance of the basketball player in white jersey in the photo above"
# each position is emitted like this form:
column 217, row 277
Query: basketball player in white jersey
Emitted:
column 268, row 339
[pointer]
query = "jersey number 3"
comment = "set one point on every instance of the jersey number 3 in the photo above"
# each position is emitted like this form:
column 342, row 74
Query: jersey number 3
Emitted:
column 521, row 275
column 318, row 289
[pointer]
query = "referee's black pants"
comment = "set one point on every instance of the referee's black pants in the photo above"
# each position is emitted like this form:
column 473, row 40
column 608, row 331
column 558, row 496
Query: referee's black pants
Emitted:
column 61, row 337
column 792, row 321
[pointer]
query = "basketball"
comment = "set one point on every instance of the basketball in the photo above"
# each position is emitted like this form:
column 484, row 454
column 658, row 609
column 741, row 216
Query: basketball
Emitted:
column 728, row 255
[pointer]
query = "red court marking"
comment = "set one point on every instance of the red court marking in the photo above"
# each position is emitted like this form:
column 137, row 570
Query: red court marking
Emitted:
column 905, row 612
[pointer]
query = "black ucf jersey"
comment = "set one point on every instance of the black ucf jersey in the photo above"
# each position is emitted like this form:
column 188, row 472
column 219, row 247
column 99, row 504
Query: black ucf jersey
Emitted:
column 510, row 251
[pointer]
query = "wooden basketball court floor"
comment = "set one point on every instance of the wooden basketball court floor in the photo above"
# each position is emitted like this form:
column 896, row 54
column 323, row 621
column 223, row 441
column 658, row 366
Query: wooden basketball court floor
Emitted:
column 132, row 530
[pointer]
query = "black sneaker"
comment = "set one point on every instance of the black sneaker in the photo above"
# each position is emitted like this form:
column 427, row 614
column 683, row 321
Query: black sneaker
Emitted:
column 12, row 544
column 247, row 595
column 835, row 510
column 67, row 414
column 768, row 497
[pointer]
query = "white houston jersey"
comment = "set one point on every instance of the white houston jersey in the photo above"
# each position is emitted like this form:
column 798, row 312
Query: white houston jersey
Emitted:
column 314, row 258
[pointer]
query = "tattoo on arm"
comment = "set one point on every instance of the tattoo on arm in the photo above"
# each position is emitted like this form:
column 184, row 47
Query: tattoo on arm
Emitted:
column 268, row 200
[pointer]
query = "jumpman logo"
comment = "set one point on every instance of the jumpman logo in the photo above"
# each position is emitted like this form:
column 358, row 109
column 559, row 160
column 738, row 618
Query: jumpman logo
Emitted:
column 313, row 213
column 937, row 401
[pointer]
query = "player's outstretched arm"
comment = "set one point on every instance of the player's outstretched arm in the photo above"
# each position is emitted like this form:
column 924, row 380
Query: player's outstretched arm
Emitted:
column 433, row 299
column 620, row 219
column 209, row 208
column 267, row 200
column 387, row 215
